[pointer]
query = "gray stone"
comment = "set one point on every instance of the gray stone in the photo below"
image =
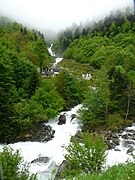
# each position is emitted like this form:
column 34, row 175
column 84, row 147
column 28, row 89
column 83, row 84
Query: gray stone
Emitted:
column 125, row 136
column 117, row 149
column 116, row 141
column 62, row 119
column 111, row 145
column 73, row 116
column 41, row 160
column 61, row 168
column 130, row 150
column 130, row 130
column 128, row 143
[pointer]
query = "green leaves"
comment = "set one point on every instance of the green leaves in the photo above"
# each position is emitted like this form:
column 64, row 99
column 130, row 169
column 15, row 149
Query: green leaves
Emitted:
column 48, row 97
column 41, row 50
column 85, row 157
column 93, row 108
column 69, row 88
column 13, row 166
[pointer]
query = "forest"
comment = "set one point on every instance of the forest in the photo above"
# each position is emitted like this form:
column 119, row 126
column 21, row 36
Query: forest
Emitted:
column 108, row 49
column 26, row 97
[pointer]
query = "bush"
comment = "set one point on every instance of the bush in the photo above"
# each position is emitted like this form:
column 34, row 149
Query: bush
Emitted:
column 13, row 166
column 121, row 171
column 88, row 157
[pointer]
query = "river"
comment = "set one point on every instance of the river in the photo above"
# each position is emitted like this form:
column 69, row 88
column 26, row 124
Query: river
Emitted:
column 55, row 149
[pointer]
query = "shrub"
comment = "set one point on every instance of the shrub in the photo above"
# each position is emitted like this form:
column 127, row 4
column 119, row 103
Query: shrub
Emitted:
column 121, row 171
column 86, row 157
column 13, row 166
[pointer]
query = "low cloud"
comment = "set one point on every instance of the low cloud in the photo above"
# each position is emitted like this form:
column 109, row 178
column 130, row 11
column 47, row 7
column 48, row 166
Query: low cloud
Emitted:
column 55, row 15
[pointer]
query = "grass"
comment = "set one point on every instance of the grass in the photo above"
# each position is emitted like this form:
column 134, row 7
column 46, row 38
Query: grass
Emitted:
column 75, row 68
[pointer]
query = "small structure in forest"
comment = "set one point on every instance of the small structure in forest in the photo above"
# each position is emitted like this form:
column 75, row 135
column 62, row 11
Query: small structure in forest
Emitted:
column 50, row 72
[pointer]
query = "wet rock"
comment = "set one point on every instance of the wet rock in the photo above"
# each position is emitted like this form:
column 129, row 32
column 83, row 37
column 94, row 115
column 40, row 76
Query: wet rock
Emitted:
column 113, row 135
column 125, row 136
column 128, row 143
column 112, row 140
column 61, row 169
column 110, row 144
column 130, row 135
column 116, row 141
column 121, row 131
column 78, row 134
column 41, row 133
column 130, row 150
column 117, row 149
column 62, row 119
column 73, row 116
column 133, row 137
column 44, row 133
column 41, row 160
column 130, row 130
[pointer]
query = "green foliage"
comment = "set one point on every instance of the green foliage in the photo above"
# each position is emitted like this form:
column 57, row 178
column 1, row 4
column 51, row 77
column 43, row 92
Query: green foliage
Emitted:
column 76, row 68
column 121, row 171
column 110, row 26
column 41, row 50
column 47, row 96
column 28, row 113
column 85, row 157
column 81, row 50
column 69, row 88
column 24, row 99
column 25, row 41
column 93, row 110
column 18, row 79
column 109, row 48
column 118, row 87
column 13, row 166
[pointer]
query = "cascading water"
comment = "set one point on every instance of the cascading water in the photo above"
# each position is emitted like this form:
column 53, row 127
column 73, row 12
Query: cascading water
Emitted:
column 123, row 152
column 58, row 59
column 54, row 150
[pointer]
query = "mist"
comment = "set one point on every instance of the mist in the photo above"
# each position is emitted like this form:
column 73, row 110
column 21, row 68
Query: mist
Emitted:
column 51, row 16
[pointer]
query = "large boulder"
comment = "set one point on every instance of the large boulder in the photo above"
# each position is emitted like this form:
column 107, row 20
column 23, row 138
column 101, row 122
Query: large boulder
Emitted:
column 62, row 119
column 41, row 133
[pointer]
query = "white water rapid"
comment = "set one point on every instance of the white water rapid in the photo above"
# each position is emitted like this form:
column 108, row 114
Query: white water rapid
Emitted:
column 54, row 149
column 120, row 153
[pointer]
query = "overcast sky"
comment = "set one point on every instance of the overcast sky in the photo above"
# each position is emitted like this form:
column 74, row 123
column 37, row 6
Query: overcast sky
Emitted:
column 58, row 14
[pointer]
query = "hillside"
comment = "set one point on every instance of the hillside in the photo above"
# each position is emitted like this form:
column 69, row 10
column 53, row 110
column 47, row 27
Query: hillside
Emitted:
column 108, row 51
column 28, row 99
column 23, row 90
column 25, row 41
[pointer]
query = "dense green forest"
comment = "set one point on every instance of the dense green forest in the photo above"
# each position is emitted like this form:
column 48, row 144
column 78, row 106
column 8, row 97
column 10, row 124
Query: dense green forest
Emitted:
column 108, row 49
column 105, row 50
column 26, row 97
